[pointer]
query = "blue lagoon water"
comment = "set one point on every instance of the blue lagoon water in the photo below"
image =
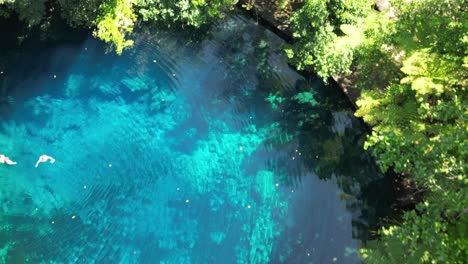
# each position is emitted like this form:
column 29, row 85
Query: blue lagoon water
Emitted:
column 188, row 148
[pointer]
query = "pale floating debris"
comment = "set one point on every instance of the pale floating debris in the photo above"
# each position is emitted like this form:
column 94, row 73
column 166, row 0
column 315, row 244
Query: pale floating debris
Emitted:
column 173, row 74
column 335, row 259
column 154, row 61
column 178, row 188
column 110, row 165
column 134, row 252
column 73, row 216
column 53, row 222
column 187, row 201
column 241, row 148
column 249, row 206
column 55, row 76
column 297, row 150
column 1, row 72
column 293, row 158
column 84, row 187
column 277, row 184
column 308, row 254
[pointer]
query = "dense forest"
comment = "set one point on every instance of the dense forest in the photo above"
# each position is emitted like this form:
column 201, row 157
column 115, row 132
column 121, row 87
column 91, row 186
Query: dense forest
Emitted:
column 409, row 61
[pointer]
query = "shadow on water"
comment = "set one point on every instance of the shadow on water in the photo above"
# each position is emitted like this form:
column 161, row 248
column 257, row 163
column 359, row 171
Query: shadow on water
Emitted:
column 328, row 139
column 188, row 148
column 20, row 43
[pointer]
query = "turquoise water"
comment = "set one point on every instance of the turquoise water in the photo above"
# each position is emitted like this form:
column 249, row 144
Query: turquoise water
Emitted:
column 188, row 148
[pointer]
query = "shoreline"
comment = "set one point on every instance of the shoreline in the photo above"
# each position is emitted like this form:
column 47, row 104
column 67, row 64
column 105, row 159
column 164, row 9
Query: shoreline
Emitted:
column 267, row 15
column 274, row 21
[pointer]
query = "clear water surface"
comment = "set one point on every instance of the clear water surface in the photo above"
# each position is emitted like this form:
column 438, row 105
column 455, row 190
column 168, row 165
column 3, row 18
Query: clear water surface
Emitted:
column 188, row 148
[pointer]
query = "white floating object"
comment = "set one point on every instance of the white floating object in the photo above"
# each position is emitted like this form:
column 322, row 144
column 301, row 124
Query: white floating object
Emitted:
column 73, row 216
column 110, row 165
column 53, row 222
column 84, row 187
column 154, row 61
column 248, row 206
column 187, row 201
column 277, row 184
column 241, row 148
column 55, row 76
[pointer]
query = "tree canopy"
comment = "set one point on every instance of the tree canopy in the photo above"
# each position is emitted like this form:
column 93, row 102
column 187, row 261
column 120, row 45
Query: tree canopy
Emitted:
column 326, row 35
column 113, row 20
column 411, row 64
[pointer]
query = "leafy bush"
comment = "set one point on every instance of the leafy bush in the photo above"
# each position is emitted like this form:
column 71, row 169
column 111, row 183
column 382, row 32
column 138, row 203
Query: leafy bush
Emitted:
column 113, row 20
column 411, row 64
column 326, row 35
column 116, row 19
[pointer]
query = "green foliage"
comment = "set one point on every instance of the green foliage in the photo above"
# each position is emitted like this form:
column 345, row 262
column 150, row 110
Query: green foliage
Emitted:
column 117, row 17
column 430, row 74
column 80, row 12
column 29, row 11
column 249, row 5
column 411, row 64
column 189, row 12
column 427, row 236
column 116, row 20
column 282, row 4
column 443, row 33
column 377, row 61
column 113, row 20
column 420, row 130
column 326, row 35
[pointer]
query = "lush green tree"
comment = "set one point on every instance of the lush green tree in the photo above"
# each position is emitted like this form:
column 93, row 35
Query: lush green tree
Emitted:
column 326, row 35
column 419, row 123
column 80, row 13
column 189, row 12
column 30, row 11
column 377, row 62
column 117, row 19
column 411, row 66
column 425, row 237
column 420, row 130
column 113, row 20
